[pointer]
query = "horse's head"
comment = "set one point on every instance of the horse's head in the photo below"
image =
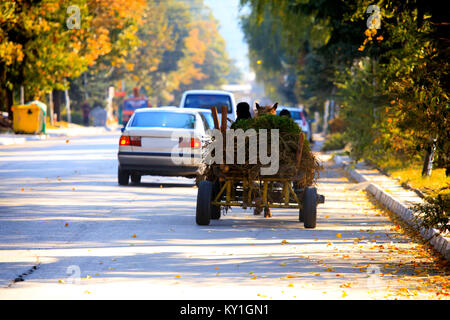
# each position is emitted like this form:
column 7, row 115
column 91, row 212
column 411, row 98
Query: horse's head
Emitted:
column 266, row 109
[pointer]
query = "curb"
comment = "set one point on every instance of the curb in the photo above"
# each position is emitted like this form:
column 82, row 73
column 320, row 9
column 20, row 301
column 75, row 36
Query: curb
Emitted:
column 440, row 243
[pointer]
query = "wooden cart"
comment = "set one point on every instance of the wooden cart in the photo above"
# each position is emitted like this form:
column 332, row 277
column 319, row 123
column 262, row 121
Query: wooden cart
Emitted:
column 236, row 190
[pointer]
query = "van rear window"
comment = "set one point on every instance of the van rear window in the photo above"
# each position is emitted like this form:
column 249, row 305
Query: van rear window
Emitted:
column 206, row 101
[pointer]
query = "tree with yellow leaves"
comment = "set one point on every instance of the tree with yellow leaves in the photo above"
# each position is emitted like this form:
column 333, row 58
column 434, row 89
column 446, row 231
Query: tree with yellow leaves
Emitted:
column 40, row 49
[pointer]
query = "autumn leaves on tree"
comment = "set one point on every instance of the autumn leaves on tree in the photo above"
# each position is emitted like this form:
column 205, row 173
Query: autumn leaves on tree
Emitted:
column 159, row 46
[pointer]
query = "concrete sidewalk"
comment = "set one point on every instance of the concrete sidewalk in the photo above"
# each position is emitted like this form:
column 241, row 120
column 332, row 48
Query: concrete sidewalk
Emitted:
column 72, row 131
column 394, row 197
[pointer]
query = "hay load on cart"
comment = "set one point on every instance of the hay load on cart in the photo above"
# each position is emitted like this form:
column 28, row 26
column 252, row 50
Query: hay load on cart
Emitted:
column 247, row 176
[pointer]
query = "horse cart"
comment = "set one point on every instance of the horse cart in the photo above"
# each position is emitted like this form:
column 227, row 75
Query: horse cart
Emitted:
column 228, row 187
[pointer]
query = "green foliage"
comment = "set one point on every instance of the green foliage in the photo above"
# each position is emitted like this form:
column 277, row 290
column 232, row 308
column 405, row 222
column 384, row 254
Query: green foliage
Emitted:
column 392, row 82
column 434, row 212
column 270, row 121
column 163, row 47
column 336, row 141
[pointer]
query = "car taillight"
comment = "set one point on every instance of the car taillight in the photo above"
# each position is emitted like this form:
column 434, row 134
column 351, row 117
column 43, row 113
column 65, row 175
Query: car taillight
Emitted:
column 124, row 141
column 135, row 141
column 193, row 143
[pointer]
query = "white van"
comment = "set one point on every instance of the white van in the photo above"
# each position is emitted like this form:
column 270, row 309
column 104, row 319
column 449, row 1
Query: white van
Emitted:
column 205, row 99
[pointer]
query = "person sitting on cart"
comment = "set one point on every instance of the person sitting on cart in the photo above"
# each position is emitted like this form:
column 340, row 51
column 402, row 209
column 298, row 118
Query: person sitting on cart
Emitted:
column 285, row 113
column 242, row 112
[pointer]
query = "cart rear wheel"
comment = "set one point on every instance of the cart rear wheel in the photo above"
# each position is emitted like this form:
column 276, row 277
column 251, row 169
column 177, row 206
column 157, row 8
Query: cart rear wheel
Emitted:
column 204, row 196
column 309, row 210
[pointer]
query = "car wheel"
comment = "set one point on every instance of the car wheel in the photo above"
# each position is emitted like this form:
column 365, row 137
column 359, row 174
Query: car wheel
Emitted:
column 204, row 196
column 309, row 210
column 135, row 178
column 123, row 177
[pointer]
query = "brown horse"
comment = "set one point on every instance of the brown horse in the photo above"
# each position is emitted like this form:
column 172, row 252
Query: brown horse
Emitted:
column 260, row 110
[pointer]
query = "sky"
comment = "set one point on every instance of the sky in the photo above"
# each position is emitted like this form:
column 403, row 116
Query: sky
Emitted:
column 227, row 13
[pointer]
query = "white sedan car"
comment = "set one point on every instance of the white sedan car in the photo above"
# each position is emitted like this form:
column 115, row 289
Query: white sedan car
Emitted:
column 163, row 141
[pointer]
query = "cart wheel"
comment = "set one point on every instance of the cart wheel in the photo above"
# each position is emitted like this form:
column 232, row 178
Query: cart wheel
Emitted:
column 204, row 196
column 215, row 210
column 309, row 211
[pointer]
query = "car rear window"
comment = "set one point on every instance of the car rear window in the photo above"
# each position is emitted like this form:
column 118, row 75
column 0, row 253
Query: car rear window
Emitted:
column 206, row 101
column 164, row 120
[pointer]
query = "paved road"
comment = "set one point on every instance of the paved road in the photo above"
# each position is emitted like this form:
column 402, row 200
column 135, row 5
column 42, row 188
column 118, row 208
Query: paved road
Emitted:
column 69, row 231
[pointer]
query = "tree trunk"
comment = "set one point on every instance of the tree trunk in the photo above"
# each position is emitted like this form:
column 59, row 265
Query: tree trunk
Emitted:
column 9, row 100
column 22, row 95
column 429, row 157
column 51, row 108
column 69, row 116
column 57, row 104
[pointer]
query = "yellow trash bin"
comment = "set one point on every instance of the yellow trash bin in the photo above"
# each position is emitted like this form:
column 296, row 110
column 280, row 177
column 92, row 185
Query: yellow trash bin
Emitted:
column 27, row 118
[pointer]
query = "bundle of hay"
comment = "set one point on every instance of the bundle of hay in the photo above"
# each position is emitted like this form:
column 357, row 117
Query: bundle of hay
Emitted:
column 305, row 175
